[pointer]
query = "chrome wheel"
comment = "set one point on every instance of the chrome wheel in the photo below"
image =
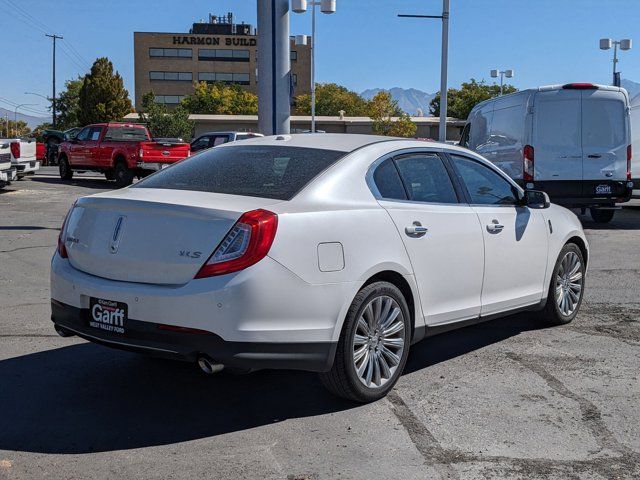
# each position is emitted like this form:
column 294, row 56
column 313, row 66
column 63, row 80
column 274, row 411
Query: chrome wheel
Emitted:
column 569, row 284
column 378, row 342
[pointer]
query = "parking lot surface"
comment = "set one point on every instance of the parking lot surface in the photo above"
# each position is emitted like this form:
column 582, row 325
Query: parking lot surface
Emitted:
column 505, row 399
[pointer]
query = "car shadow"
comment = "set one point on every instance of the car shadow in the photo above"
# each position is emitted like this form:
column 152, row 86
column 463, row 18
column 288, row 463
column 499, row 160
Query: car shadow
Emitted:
column 86, row 398
column 96, row 183
column 628, row 218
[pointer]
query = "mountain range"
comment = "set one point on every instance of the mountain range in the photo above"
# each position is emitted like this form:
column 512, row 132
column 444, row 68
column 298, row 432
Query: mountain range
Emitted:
column 31, row 120
column 410, row 100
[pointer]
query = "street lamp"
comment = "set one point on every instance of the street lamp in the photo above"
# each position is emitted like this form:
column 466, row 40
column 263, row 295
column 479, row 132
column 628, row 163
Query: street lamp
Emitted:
column 625, row 44
column 300, row 6
column 502, row 74
column 442, row 133
column 15, row 115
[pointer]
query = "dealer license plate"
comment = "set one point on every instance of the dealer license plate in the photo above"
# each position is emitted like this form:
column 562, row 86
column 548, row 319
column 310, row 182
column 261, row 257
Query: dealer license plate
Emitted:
column 108, row 315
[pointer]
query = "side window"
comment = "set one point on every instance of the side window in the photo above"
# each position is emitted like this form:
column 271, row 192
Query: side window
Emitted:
column 426, row 179
column 464, row 137
column 94, row 136
column 388, row 181
column 218, row 140
column 485, row 186
column 200, row 144
column 84, row 134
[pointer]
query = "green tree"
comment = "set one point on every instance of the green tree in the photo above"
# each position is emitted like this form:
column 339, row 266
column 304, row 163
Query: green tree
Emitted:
column 16, row 129
column 68, row 104
column 103, row 97
column 461, row 101
column 381, row 109
column 164, row 123
column 330, row 99
column 221, row 99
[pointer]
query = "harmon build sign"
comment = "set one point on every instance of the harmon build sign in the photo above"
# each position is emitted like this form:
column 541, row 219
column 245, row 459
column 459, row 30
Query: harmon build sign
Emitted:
column 208, row 40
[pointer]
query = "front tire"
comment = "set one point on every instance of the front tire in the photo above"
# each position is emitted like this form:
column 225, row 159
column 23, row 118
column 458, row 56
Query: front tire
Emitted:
column 566, row 288
column 65, row 169
column 601, row 216
column 373, row 346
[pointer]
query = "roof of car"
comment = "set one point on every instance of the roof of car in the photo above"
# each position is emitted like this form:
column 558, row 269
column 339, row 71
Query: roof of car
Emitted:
column 343, row 142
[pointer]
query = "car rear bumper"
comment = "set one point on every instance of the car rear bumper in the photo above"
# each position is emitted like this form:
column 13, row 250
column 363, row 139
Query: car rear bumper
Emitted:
column 153, row 166
column 158, row 340
column 584, row 193
column 8, row 175
column 27, row 167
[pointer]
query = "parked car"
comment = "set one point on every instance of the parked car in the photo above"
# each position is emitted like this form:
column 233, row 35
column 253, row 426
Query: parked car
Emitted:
column 121, row 151
column 213, row 139
column 7, row 171
column 52, row 140
column 331, row 253
column 23, row 155
column 572, row 141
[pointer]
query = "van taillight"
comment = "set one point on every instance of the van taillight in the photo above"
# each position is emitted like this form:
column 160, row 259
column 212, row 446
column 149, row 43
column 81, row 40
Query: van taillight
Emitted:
column 580, row 86
column 247, row 243
column 527, row 169
column 62, row 236
column 15, row 149
column 629, row 155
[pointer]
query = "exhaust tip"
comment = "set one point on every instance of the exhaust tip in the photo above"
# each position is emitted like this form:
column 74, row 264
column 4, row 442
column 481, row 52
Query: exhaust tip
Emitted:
column 63, row 332
column 208, row 366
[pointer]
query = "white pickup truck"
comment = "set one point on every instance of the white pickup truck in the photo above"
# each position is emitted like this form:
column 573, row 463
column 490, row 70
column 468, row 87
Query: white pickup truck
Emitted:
column 7, row 171
column 23, row 155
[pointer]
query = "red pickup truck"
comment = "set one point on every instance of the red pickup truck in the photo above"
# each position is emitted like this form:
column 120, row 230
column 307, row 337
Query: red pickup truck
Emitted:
column 121, row 151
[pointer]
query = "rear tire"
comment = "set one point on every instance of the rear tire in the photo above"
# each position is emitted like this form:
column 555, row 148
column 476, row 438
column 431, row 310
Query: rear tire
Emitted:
column 602, row 216
column 373, row 346
column 566, row 288
column 65, row 169
column 123, row 176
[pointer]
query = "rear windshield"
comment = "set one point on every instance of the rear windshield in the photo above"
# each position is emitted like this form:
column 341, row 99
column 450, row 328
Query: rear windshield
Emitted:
column 253, row 171
column 124, row 134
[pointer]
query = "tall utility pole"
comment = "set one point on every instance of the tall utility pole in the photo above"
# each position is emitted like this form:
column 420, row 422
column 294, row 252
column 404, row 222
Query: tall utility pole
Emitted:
column 442, row 133
column 54, row 37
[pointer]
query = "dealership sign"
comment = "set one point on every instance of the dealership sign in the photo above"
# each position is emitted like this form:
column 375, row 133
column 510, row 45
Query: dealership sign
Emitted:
column 210, row 40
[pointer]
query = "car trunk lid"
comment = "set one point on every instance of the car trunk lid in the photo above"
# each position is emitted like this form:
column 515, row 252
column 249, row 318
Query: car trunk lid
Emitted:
column 152, row 236
column 163, row 152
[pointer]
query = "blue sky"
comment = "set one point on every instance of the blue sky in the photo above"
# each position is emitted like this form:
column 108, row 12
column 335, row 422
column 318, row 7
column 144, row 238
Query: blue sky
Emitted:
column 363, row 45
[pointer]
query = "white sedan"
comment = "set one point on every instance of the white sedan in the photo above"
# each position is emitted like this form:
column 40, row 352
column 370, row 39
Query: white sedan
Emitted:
column 330, row 253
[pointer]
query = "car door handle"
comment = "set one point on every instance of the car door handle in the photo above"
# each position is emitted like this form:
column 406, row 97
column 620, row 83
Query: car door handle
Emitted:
column 594, row 155
column 416, row 230
column 494, row 227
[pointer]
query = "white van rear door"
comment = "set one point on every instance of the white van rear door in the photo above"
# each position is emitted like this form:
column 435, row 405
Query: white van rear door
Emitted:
column 605, row 135
column 557, row 135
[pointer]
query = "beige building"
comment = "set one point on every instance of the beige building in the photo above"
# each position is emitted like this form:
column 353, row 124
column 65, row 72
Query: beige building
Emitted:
column 217, row 51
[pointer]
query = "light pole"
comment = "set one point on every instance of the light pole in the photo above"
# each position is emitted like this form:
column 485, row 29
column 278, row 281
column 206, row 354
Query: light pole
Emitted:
column 625, row 44
column 502, row 74
column 442, row 130
column 300, row 6
column 15, row 115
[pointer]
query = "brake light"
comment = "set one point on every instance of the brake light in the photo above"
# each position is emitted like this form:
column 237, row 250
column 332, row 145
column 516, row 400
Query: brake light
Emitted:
column 629, row 155
column 62, row 249
column 527, row 168
column 15, row 149
column 580, row 86
column 246, row 244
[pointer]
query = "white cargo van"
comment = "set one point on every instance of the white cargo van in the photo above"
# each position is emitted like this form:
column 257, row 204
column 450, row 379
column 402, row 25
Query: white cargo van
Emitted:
column 635, row 145
column 572, row 141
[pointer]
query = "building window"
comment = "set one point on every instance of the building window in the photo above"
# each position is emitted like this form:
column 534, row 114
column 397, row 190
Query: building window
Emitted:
column 220, row 55
column 210, row 77
column 294, row 56
column 171, row 52
column 171, row 76
column 169, row 99
column 295, row 79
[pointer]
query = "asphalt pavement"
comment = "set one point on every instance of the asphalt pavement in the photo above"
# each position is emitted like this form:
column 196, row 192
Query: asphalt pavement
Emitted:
column 506, row 399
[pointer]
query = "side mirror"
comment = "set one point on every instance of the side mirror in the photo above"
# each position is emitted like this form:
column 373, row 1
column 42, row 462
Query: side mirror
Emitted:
column 536, row 199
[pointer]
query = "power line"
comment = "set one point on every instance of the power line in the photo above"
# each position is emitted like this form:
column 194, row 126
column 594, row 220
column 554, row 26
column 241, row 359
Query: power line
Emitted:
column 76, row 53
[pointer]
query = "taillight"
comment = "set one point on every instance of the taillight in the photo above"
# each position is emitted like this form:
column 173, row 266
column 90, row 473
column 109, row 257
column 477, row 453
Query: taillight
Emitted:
column 62, row 249
column 246, row 244
column 527, row 169
column 15, row 149
column 580, row 86
column 629, row 155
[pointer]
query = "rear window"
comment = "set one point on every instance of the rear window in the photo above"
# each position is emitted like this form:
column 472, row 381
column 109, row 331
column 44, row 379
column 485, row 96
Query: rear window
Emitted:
column 253, row 171
column 125, row 134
